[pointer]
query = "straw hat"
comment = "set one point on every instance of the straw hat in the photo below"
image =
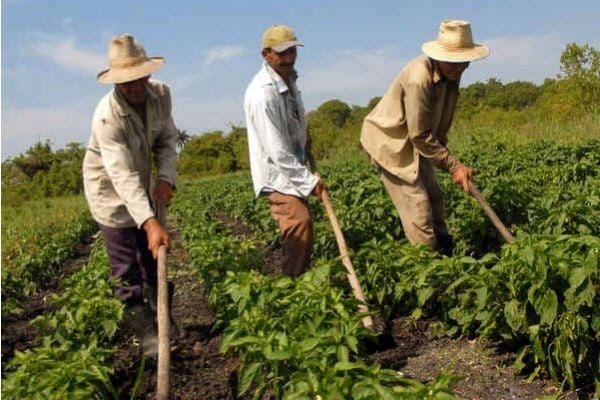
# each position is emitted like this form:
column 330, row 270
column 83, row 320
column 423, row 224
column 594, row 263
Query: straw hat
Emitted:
column 128, row 61
column 454, row 43
column 279, row 38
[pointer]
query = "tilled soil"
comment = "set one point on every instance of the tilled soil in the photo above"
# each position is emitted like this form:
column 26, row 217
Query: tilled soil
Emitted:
column 485, row 372
column 200, row 371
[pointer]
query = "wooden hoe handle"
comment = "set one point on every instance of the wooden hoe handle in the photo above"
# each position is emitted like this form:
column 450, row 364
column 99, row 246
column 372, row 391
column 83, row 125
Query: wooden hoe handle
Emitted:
column 354, row 283
column 491, row 214
column 164, row 346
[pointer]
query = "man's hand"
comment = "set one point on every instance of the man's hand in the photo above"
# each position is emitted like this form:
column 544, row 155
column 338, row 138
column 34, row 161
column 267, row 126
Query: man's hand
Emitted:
column 163, row 191
column 319, row 189
column 157, row 236
column 462, row 175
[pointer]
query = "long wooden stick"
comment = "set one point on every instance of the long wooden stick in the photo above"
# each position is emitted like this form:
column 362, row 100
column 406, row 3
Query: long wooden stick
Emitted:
column 491, row 214
column 164, row 345
column 354, row 283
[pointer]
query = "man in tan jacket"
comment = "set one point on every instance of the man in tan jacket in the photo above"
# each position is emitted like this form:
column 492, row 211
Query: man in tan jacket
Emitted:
column 406, row 133
column 132, row 126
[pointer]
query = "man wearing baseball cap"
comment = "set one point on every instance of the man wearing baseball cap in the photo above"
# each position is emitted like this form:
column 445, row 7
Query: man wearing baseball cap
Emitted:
column 278, row 141
column 406, row 133
column 132, row 126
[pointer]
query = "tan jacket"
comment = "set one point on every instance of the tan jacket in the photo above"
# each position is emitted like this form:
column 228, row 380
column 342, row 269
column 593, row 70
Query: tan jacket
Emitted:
column 117, row 163
column 411, row 120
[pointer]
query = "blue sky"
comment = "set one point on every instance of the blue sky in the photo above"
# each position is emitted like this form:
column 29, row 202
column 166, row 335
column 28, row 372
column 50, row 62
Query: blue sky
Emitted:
column 53, row 49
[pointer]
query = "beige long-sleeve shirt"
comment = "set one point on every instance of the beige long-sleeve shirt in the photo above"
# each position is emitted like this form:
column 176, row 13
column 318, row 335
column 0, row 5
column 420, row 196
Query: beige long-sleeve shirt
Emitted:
column 412, row 120
column 118, row 162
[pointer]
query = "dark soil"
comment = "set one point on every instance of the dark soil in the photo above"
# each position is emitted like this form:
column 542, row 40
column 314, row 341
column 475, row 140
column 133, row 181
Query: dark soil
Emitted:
column 198, row 370
column 17, row 332
column 410, row 348
column 486, row 372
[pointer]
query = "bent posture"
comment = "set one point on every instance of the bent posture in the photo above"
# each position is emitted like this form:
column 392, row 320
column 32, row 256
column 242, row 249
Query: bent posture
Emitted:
column 407, row 132
column 132, row 127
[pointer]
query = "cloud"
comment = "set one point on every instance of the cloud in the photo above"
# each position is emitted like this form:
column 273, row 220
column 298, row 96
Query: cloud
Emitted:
column 525, row 58
column 356, row 76
column 222, row 53
column 350, row 75
column 182, row 80
column 525, row 50
column 59, row 124
column 202, row 114
column 64, row 52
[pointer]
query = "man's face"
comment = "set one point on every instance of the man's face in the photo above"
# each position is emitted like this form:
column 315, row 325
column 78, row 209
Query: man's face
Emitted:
column 452, row 71
column 135, row 92
column 282, row 63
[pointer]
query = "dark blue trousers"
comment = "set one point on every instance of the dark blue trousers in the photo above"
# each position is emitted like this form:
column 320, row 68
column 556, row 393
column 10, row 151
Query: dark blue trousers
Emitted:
column 130, row 261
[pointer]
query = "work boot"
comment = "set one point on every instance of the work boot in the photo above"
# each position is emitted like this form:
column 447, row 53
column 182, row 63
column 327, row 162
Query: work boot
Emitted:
column 139, row 319
column 151, row 295
column 445, row 244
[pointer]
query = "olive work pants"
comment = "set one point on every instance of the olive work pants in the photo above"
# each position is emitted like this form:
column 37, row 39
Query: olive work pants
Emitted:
column 295, row 224
column 420, row 205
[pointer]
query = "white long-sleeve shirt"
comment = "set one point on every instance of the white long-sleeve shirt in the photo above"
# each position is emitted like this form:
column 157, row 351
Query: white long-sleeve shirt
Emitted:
column 117, row 164
column 277, row 136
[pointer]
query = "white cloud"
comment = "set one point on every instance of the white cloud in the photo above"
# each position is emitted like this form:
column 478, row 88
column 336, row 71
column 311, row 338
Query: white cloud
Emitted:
column 525, row 50
column 222, row 53
column 350, row 75
column 525, row 58
column 21, row 127
column 181, row 80
column 199, row 115
column 64, row 52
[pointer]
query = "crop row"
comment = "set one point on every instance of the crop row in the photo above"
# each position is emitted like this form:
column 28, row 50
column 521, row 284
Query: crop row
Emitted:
column 295, row 338
column 537, row 295
column 74, row 346
column 36, row 238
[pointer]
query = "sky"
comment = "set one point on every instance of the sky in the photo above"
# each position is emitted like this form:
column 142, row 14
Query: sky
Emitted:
column 52, row 51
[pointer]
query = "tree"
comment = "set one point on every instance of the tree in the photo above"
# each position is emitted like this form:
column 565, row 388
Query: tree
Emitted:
column 38, row 157
column 182, row 138
column 334, row 111
column 580, row 66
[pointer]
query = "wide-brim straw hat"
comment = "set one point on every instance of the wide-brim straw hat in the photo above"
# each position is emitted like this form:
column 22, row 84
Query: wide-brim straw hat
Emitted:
column 454, row 43
column 127, row 61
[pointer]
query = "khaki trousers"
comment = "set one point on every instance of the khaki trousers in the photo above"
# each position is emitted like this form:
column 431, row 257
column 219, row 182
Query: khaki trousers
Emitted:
column 420, row 205
column 295, row 223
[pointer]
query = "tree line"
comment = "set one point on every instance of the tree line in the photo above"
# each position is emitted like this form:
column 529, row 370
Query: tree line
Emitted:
column 334, row 127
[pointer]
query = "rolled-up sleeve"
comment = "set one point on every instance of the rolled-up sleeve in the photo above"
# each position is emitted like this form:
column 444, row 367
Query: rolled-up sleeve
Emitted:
column 267, row 120
column 119, row 165
column 419, row 119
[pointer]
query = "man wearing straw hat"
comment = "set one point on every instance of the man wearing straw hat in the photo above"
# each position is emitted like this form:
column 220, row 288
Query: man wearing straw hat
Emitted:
column 278, row 142
column 406, row 133
column 132, row 126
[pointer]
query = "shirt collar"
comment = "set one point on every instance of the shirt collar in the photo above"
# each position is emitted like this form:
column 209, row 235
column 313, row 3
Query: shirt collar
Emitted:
column 437, row 75
column 278, row 81
column 123, row 107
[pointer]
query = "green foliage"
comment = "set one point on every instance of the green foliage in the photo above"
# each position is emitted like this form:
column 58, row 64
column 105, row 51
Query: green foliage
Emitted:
column 36, row 238
column 72, row 358
column 478, row 96
column 536, row 295
column 297, row 338
column 215, row 153
column 41, row 172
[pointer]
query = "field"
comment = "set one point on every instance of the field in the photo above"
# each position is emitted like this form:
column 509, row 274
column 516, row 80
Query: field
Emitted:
column 516, row 321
